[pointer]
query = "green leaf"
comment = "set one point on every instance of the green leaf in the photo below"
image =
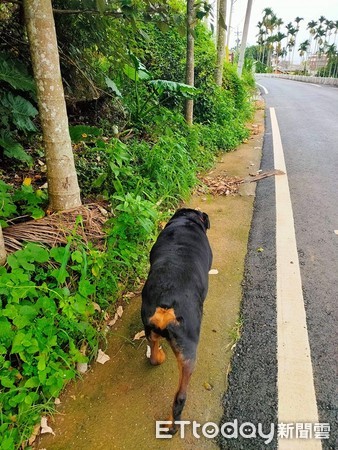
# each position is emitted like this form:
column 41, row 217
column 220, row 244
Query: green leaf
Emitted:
column 17, row 398
column 182, row 89
column 41, row 361
column 60, row 275
column 86, row 288
column 101, row 6
column 110, row 83
column 6, row 332
column 36, row 252
column 26, row 315
column 58, row 253
column 138, row 71
column 17, row 345
column 13, row 149
column 31, row 398
column 21, row 110
column 32, row 253
column 15, row 74
column 84, row 133
column 7, row 382
column 8, row 208
column 32, row 382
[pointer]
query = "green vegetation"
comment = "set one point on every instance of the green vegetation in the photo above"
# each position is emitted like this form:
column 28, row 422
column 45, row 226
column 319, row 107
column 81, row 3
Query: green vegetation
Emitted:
column 276, row 48
column 134, row 153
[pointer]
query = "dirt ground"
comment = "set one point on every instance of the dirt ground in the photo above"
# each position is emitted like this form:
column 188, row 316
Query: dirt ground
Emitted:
column 115, row 405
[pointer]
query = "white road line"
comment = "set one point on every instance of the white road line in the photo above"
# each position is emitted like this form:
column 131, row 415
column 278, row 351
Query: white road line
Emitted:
column 263, row 87
column 296, row 393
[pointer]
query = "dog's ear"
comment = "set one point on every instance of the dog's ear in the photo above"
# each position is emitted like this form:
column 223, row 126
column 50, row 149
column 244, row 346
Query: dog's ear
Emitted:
column 206, row 220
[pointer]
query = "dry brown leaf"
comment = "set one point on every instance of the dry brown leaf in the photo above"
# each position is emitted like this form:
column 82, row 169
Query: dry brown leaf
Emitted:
column 97, row 307
column 45, row 428
column 139, row 335
column 102, row 357
column 148, row 352
column 82, row 367
column 34, row 435
column 119, row 311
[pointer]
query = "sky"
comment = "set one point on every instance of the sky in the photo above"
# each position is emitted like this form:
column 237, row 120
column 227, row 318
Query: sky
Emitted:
column 287, row 10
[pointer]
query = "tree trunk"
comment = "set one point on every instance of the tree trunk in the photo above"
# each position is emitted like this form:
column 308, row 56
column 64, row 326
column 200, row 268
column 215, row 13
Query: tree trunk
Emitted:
column 3, row 254
column 244, row 38
column 63, row 188
column 221, row 35
column 190, row 64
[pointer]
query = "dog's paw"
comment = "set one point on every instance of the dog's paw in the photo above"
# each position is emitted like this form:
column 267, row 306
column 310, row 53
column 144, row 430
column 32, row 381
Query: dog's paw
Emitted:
column 157, row 358
column 170, row 427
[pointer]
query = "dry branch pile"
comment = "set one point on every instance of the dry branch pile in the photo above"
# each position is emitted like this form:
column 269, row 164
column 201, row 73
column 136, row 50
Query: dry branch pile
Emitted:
column 226, row 185
column 220, row 185
column 54, row 229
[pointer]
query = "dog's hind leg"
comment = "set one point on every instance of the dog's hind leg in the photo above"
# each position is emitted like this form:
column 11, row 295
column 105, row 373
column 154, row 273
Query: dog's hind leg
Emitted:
column 157, row 355
column 186, row 368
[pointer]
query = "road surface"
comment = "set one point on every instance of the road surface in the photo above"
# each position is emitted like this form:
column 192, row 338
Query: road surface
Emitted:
column 284, row 370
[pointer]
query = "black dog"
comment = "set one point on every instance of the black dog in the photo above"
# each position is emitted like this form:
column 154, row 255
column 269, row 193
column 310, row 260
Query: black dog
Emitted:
column 173, row 295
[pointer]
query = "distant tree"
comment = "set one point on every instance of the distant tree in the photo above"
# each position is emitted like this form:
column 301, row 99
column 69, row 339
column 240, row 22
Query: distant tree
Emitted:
column 63, row 188
column 303, row 50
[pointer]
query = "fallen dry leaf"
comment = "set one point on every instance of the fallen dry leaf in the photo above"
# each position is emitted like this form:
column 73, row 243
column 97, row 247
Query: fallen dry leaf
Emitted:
column 139, row 335
column 44, row 426
column 82, row 367
column 113, row 321
column 102, row 358
column 148, row 352
column 97, row 307
column 129, row 295
column 34, row 435
column 119, row 311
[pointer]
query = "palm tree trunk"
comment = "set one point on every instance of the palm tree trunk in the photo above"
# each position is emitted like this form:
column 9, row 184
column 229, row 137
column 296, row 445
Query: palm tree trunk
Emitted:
column 63, row 188
column 190, row 63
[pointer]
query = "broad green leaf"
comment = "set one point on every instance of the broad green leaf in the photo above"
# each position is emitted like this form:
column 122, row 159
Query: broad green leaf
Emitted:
column 110, row 83
column 86, row 288
column 32, row 382
column 84, row 133
column 13, row 149
column 15, row 74
column 26, row 315
column 41, row 361
column 17, row 345
column 182, row 89
column 21, row 110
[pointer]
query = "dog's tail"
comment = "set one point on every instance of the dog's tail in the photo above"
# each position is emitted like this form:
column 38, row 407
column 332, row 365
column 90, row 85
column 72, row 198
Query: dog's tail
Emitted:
column 163, row 317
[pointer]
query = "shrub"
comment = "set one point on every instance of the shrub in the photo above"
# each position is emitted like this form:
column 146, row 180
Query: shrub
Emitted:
column 46, row 299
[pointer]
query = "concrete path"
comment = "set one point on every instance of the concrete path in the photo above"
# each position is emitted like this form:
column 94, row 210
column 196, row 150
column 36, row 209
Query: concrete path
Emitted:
column 116, row 405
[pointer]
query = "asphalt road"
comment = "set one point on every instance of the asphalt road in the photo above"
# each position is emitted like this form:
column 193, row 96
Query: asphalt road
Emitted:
column 308, row 125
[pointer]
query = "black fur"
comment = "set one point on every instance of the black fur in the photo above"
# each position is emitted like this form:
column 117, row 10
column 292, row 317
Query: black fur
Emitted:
column 178, row 278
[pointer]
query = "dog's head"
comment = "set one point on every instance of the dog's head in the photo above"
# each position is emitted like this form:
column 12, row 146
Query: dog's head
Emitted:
column 194, row 215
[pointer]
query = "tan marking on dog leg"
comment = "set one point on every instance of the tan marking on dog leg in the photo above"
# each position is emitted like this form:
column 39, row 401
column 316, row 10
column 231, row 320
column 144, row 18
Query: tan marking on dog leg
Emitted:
column 157, row 355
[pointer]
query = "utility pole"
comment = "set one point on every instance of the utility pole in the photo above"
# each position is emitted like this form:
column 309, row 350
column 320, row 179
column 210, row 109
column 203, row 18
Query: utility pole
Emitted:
column 244, row 38
column 229, row 26
column 238, row 40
